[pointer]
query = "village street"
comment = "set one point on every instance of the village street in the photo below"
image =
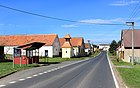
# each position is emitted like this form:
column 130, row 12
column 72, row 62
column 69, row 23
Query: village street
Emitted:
column 91, row 73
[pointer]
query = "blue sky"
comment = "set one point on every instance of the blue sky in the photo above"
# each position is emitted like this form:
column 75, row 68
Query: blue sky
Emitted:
column 93, row 11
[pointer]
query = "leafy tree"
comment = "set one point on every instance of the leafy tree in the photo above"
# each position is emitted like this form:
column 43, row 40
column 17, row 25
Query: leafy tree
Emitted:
column 119, row 43
column 113, row 47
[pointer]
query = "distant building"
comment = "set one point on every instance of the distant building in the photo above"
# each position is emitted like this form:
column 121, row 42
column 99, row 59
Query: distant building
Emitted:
column 88, row 48
column 104, row 47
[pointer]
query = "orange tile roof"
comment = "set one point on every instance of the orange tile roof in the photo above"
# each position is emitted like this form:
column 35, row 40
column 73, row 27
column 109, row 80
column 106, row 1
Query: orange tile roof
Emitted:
column 17, row 40
column 75, row 41
column 66, row 45
column 67, row 36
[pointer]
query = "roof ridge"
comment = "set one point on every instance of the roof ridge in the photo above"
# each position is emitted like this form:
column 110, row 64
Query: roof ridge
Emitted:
column 27, row 34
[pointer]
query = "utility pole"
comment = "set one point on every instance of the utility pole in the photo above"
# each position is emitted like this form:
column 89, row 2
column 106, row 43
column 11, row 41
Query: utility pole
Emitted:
column 132, row 43
column 132, row 24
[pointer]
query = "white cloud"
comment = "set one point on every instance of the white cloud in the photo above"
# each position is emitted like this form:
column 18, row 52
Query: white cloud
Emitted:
column 124, row 2
column 105, row 21
column 95, row 21
column 68, row 26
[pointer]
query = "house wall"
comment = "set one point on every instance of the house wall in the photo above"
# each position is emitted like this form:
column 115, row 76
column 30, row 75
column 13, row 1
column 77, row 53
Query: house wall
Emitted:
column 87, row 51
column 76, row 51
column 66, row 52
column 128, row 54
column 42, row 51
column 56, row 47
column 82, row 51
column 8, row 49
column 79, row 51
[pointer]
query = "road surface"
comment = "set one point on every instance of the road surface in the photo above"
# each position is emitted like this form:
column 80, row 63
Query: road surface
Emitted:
column 92, row 73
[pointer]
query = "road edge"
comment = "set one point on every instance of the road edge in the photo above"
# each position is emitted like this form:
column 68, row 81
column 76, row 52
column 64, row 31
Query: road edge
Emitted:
column 113, row 74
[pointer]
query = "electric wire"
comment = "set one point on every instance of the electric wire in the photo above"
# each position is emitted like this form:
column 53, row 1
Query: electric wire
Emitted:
column 55, row 18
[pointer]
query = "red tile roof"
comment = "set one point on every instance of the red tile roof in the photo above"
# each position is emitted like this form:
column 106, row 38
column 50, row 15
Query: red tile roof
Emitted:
column 74, row 41
column 66, row 45
column 18, row 40
column 127, row 38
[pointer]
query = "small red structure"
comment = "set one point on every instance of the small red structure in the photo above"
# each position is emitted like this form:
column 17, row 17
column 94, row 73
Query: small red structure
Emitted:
column 32, row 53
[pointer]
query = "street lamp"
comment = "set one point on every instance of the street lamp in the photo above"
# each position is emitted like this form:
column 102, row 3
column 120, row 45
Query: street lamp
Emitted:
column 132, row 24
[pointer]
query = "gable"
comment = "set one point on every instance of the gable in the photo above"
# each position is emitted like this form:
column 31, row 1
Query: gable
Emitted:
column 126, row 38
column 74, row 41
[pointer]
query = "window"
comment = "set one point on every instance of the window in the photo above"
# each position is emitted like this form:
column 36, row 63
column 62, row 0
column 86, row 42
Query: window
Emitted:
column 46, row 53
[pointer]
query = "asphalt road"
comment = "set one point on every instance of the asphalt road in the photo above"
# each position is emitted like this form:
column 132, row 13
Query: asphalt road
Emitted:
column 92, row 73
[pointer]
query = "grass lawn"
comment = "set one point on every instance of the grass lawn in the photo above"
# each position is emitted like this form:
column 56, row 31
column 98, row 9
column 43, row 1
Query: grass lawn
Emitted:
column 59, row 59
column 7, row 68
column 131, row 76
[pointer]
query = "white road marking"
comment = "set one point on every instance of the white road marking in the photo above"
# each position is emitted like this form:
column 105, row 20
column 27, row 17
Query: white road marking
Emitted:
column 49, row 71
column 29, row 77
column 55, row 68
column 45, row 72
column 40, row 73
column 2, row 85
column 52, row 69
column 35, row 75
column 115, row 80
column 58, row 68
column 12, row 82
column 21, row 79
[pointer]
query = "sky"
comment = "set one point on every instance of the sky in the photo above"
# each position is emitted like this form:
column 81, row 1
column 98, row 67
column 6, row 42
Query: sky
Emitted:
column 90, row 11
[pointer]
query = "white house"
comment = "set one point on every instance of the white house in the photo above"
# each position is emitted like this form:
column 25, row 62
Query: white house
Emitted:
column 104, row 47
column 50, row 49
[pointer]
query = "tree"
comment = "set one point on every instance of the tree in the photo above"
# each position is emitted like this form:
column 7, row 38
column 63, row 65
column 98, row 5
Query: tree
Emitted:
column 113, row 47
column 119, row 43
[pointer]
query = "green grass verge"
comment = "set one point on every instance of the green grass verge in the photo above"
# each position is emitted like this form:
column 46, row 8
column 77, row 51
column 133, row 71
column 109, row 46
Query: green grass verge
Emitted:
column 59, row 59
column 7, row 68
column 131, row 76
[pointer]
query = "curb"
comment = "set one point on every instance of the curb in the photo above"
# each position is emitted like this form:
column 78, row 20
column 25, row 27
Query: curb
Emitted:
column 8, row 74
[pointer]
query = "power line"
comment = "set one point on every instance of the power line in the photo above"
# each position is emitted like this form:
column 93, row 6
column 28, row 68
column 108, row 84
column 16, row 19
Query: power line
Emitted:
column 55, row 18
column 135, row 11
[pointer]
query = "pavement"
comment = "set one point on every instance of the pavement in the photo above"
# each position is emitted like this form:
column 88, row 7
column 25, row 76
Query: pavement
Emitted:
column 89, row 73
column 29, row 72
